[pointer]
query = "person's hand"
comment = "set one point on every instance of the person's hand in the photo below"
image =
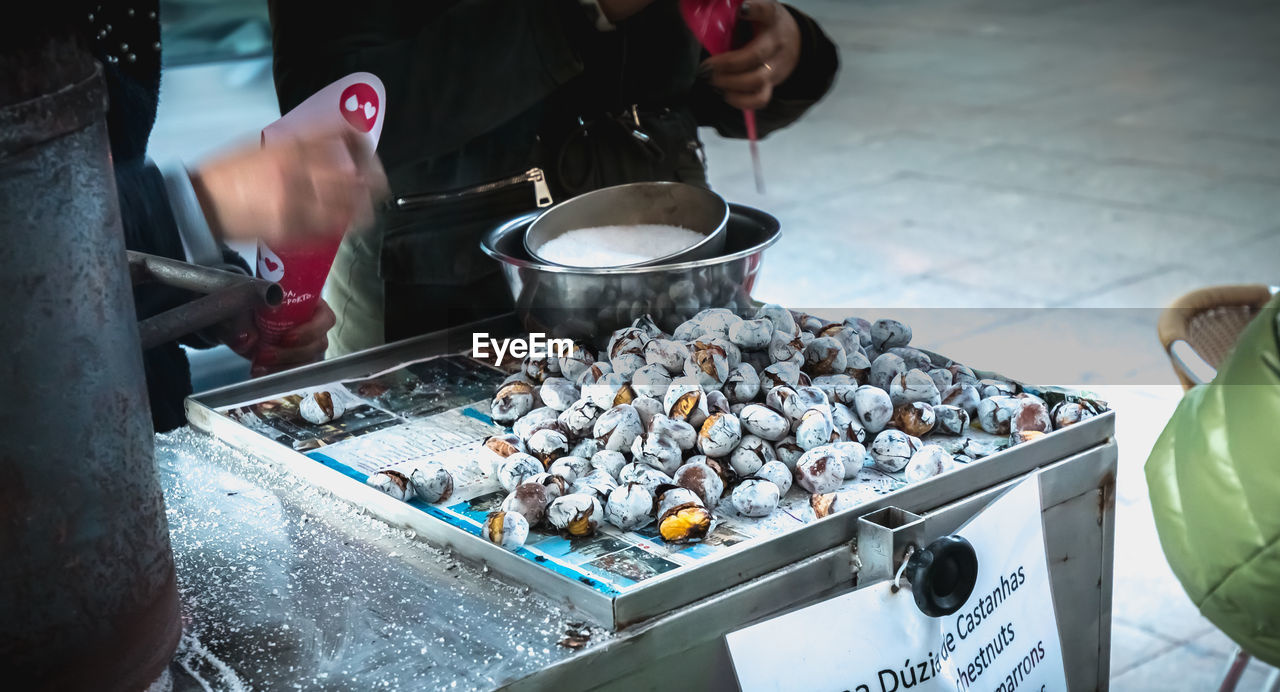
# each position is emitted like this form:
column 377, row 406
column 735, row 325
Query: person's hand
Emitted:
column 303, row 344
column 618, row 10
column 320, row 183
column 746, row 76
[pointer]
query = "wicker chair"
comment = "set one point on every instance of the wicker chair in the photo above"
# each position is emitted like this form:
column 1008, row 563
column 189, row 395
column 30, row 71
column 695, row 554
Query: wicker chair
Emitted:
column 1198, row 332
column 1200, row 328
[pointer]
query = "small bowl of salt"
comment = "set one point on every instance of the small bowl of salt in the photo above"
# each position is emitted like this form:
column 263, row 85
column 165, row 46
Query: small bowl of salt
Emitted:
column 635, row 225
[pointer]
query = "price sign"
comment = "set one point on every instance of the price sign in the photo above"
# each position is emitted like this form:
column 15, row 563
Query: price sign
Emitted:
column 1004, row 638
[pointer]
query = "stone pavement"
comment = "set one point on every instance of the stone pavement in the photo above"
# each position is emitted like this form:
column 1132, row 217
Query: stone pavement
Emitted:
column 1051, row 174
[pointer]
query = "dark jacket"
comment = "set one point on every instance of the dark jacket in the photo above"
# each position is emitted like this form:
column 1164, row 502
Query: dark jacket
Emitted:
column 133, row 84
column 479, row 90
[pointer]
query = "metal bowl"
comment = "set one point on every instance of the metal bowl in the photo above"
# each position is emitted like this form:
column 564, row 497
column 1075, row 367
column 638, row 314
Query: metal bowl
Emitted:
column 590, row 303
column 668, row 204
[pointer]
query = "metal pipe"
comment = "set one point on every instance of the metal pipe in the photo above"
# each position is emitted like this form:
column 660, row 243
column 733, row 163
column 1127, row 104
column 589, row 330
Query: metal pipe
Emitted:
column 198, row 314
column 193, row 277
column 227, row 293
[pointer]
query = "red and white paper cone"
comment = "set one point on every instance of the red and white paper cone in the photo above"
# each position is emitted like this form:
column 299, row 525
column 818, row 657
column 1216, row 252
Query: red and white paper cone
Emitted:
column 357, row 101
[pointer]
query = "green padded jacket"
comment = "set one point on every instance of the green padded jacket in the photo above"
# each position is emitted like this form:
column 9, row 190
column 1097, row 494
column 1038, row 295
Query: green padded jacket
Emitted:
column 1214, row 479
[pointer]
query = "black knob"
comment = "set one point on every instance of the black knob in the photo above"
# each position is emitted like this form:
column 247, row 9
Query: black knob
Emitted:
column 942, row 575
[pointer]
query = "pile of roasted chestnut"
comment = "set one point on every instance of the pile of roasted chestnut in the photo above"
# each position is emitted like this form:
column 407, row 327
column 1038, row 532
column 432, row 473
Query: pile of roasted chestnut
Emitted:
column 660, row 427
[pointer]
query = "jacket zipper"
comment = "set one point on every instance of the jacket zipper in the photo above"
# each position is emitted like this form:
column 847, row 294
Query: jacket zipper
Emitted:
column 541, row 191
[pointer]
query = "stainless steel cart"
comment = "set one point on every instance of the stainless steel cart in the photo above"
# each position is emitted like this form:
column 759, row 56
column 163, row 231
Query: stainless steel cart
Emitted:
column 405, row 614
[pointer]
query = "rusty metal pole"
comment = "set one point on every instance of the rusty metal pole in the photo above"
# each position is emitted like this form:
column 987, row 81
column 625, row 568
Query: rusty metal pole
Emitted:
column 88, row 599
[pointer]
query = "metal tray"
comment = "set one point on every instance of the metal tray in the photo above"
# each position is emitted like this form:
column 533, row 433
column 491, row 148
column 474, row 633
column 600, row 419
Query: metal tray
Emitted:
column 653, row 596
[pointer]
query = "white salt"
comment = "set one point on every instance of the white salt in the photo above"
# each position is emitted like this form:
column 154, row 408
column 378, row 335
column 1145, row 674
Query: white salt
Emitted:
column 612, row 246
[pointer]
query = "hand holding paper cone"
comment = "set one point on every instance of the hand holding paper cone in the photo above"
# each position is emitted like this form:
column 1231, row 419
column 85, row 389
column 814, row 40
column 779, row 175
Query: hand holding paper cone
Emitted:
column 294, row 188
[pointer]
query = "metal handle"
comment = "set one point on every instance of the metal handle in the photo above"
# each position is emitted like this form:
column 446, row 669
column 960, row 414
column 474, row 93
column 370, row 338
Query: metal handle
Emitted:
column 226, row 294
column 942, row 575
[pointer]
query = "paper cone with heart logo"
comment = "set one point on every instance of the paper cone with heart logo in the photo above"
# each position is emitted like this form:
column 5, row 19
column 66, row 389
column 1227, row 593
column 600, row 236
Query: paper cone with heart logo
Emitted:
column 357, row 101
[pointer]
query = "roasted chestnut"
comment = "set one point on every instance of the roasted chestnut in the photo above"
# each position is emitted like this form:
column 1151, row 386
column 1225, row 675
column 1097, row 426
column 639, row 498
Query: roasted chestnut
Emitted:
column 764, row 422
column 752, row 453
column 647, row 408
column 539, row 368
column 783, row 347
column 608, row 391
column 651, row 380
column 558, row 393
column 511, row 403
column 927, row 462
column 506, row 529
column 516, row 468
column 995, row 414
column 658, row 450
column 756, row 497
column 667, row 354
column 593, row 374
column 885, row 368
column 618, row 427
column 431, row 483
column 824, row 356
column 543, row 418
column 322, row 406
column 717, row 402
column 873, row 407
column 681, row 517
column 629, row 507
column 916, row 418
column 686, row 401
column 892, row 450
column 782, row 373
column 1031, row 416
column 608, row 460
column 625, row 365
column 991, row 387
column 575, row 362
column 963, row 395
column 627, row 340
column 393, row 483
column 913, row 385
column 529, row 500
column 504, row 445
column 778, row 473
column 942, row 378
column 708, row 363
column 950, row 420
column 853, row 454
column 547, row 444
column 815, row 429
column 820, row 470
column 703, row 480
column 645, row 475
column 752, row 335
column 782, row 319
column 719, row 434
column 788, row 451
column 569, row 468
column 577, row 514
column 742, row 384
column 580, row 418
column 597, row 482
column 886, row 334
column 1066, row 413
